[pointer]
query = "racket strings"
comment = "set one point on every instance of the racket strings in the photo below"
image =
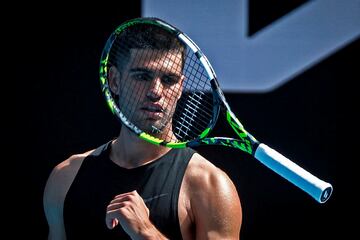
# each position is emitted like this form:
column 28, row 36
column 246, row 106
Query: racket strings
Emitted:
column 134, row 93
column 175, row 112
column 126, row 99
column 195, row 108
column 191, row 119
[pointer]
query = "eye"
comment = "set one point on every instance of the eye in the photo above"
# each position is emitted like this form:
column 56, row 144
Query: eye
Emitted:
column 143, row 76
column 169, row 80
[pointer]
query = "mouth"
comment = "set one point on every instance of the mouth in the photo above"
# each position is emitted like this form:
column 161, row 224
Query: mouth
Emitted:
column 153, row 111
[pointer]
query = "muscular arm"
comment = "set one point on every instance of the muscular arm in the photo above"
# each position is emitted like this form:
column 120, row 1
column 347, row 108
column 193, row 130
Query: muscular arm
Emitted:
column 214, row 202
column 55, row 191
column 128, row 209
column 53, row 208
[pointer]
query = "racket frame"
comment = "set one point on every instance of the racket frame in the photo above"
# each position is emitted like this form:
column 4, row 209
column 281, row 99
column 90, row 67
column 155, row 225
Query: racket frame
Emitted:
column 246, row 142
column 318, row 189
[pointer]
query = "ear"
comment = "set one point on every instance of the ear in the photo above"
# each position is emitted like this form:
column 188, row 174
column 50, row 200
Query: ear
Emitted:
column 114, row 80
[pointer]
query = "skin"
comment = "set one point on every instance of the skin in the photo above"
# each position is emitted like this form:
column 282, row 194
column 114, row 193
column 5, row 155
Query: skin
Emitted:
column 149, row 90
column 209, row 206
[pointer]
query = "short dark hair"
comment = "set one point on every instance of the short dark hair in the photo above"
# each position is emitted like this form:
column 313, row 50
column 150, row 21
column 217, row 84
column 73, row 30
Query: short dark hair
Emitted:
column 143, row 36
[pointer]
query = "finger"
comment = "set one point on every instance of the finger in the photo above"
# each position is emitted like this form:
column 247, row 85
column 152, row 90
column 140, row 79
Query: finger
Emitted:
column 112, row 218
column 147, row 210
column 109, row 222
column 126, row 194
column 121, row 200
column 124, row 198
column 115, row 222
column 116, row 205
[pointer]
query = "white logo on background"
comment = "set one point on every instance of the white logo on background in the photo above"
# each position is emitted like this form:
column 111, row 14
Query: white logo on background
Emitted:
column 272, row 56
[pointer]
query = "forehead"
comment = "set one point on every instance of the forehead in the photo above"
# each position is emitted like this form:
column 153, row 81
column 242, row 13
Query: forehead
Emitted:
column 156, row 60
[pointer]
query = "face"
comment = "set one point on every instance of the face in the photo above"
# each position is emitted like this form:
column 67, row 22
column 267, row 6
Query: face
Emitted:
column 149, row 87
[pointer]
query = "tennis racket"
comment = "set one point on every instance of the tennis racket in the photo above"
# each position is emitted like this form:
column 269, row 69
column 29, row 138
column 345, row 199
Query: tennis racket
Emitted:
column 161, row 86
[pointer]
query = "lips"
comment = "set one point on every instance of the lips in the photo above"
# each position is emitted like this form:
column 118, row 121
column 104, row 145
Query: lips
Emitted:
column 153, row 111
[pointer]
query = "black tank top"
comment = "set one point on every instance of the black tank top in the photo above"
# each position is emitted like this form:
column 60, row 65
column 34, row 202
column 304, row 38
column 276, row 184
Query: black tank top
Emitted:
column 99, row 180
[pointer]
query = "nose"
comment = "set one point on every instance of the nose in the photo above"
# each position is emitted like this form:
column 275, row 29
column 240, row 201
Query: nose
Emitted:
column 155, row 90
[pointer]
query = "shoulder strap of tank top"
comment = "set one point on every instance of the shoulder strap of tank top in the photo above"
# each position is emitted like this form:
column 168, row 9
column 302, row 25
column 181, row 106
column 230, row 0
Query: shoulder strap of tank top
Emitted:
column 100, row 149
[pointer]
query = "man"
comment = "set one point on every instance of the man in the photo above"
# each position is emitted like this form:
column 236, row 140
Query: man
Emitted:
column 129, row 188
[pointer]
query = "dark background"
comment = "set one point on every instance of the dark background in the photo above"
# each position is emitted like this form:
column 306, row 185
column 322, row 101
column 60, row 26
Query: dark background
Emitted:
column 59, row 111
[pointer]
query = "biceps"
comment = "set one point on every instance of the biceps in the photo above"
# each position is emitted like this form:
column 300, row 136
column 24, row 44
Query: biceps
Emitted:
column 218, row 213
column 219, row 227
column 220, row 220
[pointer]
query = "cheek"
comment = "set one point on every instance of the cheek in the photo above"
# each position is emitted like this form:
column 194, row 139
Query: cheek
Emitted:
column 176, row 92
column 172, row 97
column 135, row 89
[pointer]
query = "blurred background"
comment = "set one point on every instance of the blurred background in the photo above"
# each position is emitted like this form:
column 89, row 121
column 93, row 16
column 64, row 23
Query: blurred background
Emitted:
column 288, row 101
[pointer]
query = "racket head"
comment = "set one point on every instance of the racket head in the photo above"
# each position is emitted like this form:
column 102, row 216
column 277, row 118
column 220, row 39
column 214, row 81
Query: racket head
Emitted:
column 158, row 83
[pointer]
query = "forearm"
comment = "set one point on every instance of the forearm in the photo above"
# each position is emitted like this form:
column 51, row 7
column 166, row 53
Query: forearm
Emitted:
column 59, row 236
column 149, row 233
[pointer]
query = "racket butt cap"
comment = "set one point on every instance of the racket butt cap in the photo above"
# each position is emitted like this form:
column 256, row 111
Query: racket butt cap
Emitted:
column 326, row 193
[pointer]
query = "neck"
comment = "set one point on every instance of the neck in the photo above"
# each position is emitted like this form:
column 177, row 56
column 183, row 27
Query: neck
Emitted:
column 129, row 151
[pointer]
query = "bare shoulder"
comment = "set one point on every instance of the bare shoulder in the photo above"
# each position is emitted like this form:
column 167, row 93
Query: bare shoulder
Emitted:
column 62, row 176
column 68, row 167
column 56, row 188
column 202, row 173
column 214, row 201
column 71, row 164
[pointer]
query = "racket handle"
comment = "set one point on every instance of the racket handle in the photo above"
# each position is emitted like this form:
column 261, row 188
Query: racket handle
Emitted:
column 312, row 185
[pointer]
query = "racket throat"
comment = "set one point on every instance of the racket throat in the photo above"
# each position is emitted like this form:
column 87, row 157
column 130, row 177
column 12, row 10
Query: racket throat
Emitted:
column 247, row 142
column 228, row 142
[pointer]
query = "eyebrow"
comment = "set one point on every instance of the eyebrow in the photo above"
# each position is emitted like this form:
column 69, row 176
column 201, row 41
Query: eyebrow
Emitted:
column 140, row 70
column 146, row 70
